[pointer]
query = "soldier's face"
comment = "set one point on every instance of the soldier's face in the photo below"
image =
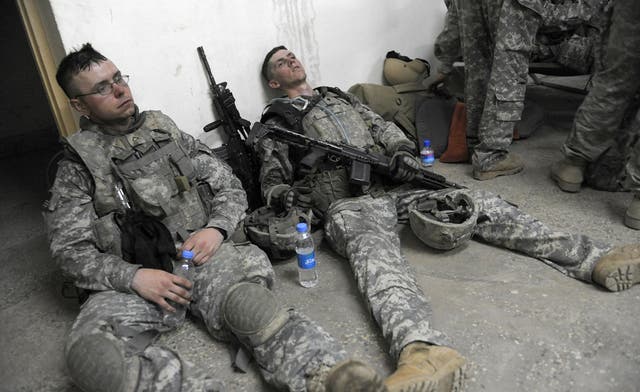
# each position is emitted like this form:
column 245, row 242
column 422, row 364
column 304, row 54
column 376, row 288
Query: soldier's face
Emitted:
column 286, row 70
column 114, row 108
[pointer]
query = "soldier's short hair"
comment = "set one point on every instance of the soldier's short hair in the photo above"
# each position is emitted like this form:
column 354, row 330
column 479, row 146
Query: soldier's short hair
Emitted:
column 74, row 63
column 266, row 70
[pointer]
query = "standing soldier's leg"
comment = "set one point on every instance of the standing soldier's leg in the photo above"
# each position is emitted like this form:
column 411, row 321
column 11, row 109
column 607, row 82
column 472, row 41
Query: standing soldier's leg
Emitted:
column 504, row 100
column 476, row 44
column 600, row 114
column 632, row 216
column 363, row 230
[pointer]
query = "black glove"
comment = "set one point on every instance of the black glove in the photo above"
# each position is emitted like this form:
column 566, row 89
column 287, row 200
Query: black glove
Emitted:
column 404, row 166
column 297, row 196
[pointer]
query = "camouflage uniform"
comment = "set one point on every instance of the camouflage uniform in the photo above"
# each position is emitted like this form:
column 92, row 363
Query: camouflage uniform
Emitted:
column 633, row 163
column 600, row 116
column 496, row 39
column 78, row 213
column 360, row 227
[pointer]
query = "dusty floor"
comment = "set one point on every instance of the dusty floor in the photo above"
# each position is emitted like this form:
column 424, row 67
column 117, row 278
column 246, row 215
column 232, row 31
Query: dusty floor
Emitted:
column 522, row 325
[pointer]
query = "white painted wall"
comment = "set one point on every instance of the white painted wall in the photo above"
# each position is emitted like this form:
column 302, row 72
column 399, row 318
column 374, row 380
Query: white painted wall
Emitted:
column 341, row 42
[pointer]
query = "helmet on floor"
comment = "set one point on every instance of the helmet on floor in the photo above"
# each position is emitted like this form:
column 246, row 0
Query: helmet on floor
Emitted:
column 444, row 220
column 275, row 233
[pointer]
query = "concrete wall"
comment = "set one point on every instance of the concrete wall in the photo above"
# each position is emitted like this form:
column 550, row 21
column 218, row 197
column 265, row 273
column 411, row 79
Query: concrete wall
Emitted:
column 340, row 42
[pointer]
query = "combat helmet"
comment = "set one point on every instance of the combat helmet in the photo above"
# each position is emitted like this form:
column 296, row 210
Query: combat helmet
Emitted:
column 275, row 233
column 399, row 69
column 444, row 220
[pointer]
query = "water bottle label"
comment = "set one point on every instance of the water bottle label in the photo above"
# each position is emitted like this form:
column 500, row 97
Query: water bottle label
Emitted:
column 427, row 161
column 307, row 261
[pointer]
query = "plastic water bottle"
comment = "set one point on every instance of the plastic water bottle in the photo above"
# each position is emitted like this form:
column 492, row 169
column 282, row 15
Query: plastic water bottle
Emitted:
column 427, row 156
column 185, row 270
column 307, row 273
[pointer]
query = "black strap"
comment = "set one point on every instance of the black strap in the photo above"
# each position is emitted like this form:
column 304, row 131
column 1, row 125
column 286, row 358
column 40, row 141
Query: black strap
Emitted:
column 293, row 116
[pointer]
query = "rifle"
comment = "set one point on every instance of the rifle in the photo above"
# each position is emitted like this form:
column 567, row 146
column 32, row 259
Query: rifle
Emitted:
column 235, row 152
column 360, row 160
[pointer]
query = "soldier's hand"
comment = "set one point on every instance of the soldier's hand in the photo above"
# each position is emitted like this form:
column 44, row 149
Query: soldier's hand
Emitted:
column 298, row 197
column 204, row 244
column 404, row 166
column 158, row 286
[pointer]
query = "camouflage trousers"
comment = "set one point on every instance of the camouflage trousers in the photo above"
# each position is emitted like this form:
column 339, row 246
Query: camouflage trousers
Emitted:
column 599, row 117
column 128, row 321
column 633, row 164
column 362, row 230
column 497, row 37
column 505, row 225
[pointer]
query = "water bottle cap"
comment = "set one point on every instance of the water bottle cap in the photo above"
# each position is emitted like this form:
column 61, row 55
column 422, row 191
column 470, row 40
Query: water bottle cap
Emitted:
column 187, row 254
column 426, row 143
column 301, row 227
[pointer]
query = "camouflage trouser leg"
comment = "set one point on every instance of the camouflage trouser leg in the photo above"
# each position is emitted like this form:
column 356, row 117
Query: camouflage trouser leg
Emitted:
column 502, row 224
column 507, row 82
column 474, row 20
column 119, row 315
column 633, row 164
column 128, row 321
column 363, row 230
column 297, row 349
column 599, row 117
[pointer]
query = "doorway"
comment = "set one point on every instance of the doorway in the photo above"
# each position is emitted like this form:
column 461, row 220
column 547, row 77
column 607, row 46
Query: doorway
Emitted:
column 26, row 121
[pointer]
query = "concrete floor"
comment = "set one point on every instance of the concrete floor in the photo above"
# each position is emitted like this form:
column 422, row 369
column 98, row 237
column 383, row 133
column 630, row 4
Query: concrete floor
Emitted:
column 522, row 325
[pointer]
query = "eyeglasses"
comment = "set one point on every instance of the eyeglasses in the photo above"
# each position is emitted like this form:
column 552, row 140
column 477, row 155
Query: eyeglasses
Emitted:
column 106, row 88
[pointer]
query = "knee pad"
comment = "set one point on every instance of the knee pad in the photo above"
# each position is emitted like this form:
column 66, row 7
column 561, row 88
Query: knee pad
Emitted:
column 252, row 313
column 98, row 363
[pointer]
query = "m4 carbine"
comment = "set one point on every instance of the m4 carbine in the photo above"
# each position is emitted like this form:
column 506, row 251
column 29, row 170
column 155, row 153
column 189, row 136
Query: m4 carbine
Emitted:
column 235, row 152
column 360, row 160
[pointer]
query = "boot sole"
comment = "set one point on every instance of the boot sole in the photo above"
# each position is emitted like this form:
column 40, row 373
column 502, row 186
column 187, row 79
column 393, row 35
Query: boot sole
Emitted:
column 632, row 222
column 453, row 382
column 623, row 277
column 571, row 187
column 482, row 176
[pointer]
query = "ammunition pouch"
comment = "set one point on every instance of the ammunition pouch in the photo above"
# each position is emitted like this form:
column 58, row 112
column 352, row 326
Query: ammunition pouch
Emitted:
column 328, row 186
column 155, row 188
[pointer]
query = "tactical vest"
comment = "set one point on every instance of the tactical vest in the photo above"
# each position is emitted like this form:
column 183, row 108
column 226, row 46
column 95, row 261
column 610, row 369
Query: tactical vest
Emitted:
column 329, row 116
column 156, row 173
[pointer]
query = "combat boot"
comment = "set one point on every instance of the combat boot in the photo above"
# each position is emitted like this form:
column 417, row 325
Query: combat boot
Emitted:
column 346, row 376
column 568, row 173
column 619, row 269
column 632, row 216
column 426, row 368
column 511, row 164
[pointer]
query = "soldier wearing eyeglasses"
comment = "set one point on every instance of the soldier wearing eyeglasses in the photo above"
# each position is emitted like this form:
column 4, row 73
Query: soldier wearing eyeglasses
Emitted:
column 143, row 155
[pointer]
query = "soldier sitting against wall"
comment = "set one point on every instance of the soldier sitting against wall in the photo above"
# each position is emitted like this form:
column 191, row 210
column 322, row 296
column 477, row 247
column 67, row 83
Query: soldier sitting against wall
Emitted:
column 162, row 170
column 359, row 221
